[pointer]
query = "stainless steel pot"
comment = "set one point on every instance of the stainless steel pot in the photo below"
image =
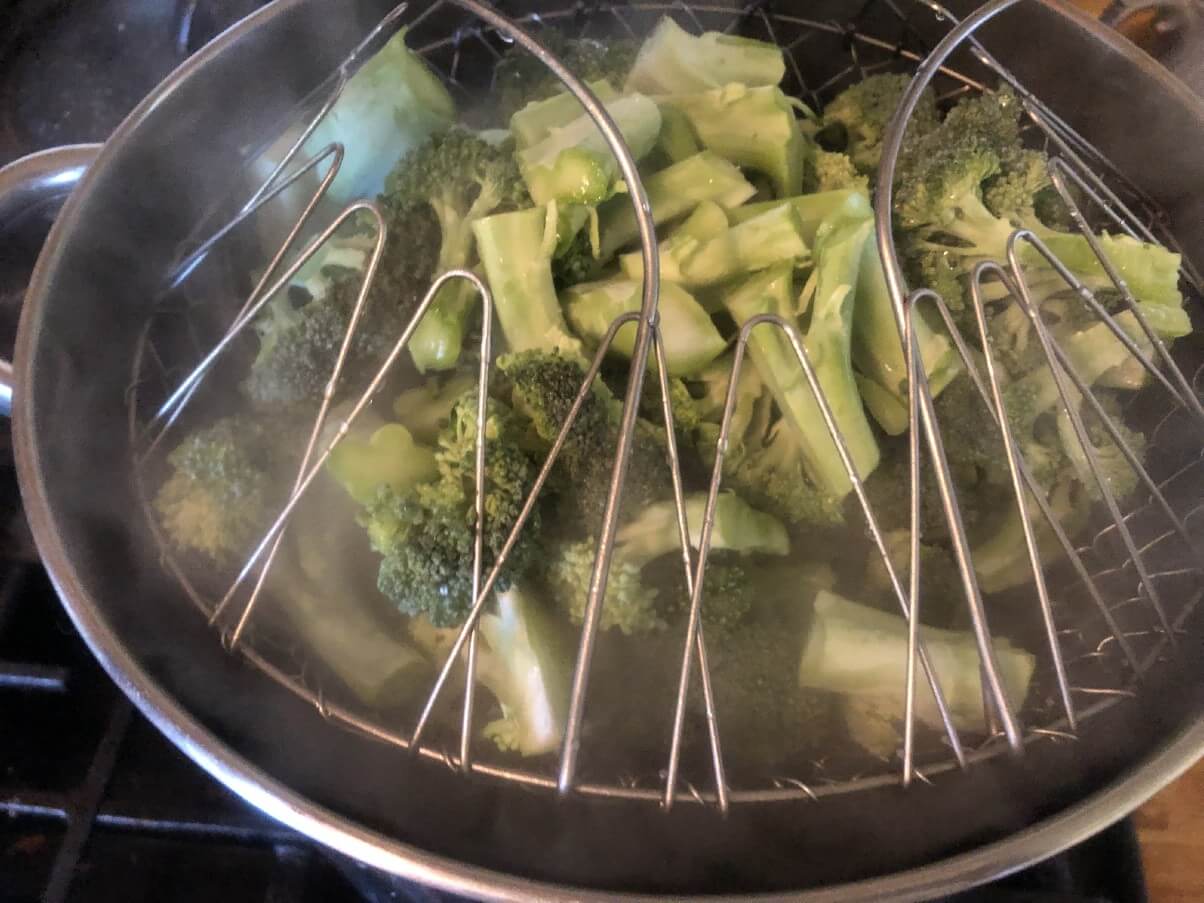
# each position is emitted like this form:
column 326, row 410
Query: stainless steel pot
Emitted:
column 86, row 305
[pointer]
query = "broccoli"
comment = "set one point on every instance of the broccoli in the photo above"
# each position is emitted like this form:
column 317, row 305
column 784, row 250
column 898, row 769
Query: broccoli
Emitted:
column 673, row 192
column 392, row 101
column 460, row 178
column 225, row 482
column 838, row 251
column 690, row 338
column 812, row 209
column 540, row 118
column 753, row 127
column 525, row 660
column 425, row 409
column 832, row 171
column 672, row 61
column 861, row 653
column 696, row 260
column 634, row 603
column 375, row 454
column 301, row 331
column 520, row 79
column 518, row 265
column 860, row 114
column 967, row 185
column 425, row 533
column 574, row 164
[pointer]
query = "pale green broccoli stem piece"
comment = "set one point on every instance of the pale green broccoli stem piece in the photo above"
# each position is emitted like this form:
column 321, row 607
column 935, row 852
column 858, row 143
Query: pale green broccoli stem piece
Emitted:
column 1150, row 271
column 527, row 666
column 1000, row 556
column 754, row 128
column 677, row 140
column 519, row 271
column 673, row 61
column 365, row 461
column 861, row 653
column 739, row 527
column 827, row 344
column 691, row 259
column 424, row 410
column 574, row 164
column 878, row 348
column 674, row 192
column 540, row 118
column 393, row 101
column 691, row 339
column 812, row 209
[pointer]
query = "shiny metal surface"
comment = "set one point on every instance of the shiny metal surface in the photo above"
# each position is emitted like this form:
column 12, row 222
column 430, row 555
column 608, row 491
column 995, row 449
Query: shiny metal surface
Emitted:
column 349, row 834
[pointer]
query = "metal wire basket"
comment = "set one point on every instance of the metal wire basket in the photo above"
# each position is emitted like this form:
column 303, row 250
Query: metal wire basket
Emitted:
column 1104, row 621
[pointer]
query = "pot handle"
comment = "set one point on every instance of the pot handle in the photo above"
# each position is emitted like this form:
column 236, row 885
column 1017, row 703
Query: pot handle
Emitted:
column 36, row 187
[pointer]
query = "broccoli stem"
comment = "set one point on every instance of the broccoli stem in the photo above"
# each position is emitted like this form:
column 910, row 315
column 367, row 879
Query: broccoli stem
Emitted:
column 519, row 270
column 673, row 192
column 693, row 260
column 753, row 128
column 861, row 652
column 738, row 527
column 812, row 209
column 673, row 61
column 540, row 118
column 690, row 338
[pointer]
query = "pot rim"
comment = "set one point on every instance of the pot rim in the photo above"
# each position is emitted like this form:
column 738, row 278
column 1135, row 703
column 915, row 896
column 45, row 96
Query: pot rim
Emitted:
column 243, row 777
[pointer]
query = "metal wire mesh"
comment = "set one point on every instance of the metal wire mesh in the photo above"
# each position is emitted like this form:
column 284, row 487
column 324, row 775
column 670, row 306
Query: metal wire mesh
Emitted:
column 1091, row 665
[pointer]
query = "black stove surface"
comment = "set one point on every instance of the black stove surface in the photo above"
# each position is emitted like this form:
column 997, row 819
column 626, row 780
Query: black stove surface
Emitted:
column 97, row 805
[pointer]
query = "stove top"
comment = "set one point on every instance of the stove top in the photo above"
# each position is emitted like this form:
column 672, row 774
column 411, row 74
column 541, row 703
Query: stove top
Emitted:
column 98, row 805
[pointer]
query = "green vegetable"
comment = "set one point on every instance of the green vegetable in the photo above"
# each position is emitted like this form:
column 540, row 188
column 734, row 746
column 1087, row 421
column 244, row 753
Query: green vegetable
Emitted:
column 672, row 61
column 753, row 127
column 540, row 118
column 365, row 461
column 691, row 339
column 861, row 113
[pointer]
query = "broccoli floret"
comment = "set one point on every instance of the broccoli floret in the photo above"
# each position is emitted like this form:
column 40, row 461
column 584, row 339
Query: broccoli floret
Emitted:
column 833, row 171
column 966, row 186
column 425, row 534
column 226, row 484
column 673, row 61
column 634, row 602
column 376, row 454
column 460, row 178
column 520, row 79
column 860, row 114
column 425, row 409
column 301, row 332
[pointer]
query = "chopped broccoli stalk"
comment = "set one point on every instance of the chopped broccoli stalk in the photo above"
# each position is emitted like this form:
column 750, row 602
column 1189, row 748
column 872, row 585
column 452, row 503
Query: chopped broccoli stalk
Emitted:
column 812, row 209
column 392, row 101
column 862, row 112
column 460, row 179
column 861, row 653
column 425, row 409
column 367, row 459
column 673, row 192
column 763, row 241
column 673, row 61
column 1000, row 555
column 519, row 270
column 691, row 339
column 574, row 164
column 526, row 663
column 878, row 347
column 426, row 534
column 753, row 127
column 634, row 604
column 540, row 118
column 827, row 342
column 677, row 140
column 317, row 583
column 220, row 495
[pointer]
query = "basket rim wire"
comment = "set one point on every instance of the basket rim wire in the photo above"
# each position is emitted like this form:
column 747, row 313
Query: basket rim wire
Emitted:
column 1006, row 731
